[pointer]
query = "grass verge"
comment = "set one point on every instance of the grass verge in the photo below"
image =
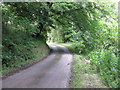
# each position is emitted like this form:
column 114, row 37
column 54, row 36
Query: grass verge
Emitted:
column 85, row 75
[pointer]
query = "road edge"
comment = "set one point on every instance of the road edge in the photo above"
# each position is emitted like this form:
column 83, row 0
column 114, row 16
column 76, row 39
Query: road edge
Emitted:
column 24, row 67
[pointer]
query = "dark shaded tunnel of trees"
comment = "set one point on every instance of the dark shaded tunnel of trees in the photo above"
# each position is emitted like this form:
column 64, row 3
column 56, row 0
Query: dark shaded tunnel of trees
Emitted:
column 89, row 27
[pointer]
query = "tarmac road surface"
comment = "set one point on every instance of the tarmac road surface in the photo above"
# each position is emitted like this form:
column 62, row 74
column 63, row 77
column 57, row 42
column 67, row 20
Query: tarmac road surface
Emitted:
column 52, row 72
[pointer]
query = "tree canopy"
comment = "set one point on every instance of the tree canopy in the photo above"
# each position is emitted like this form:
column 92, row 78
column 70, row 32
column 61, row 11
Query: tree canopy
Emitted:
column 91, row 27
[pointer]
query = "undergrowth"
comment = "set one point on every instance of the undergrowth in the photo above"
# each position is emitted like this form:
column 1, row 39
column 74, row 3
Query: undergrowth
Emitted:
column 20, row 49
column 104, row 61
column 107, row 66
column 85, row 75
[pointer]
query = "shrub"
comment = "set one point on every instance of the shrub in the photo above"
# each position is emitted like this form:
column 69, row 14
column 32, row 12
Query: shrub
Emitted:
column 107, row 66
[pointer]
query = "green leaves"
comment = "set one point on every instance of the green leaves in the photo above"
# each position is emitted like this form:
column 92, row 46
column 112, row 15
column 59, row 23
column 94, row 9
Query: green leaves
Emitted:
column 107, row 63
column 90, row 26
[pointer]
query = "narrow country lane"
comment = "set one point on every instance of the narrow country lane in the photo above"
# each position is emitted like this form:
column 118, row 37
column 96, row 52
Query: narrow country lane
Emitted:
column 52, row 72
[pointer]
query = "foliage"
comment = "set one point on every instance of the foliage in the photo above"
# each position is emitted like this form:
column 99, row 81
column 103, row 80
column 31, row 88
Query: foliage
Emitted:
column 89, row 23
column 107, row 66
column 89, row 27
column 85, row 75
column 21, row 40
